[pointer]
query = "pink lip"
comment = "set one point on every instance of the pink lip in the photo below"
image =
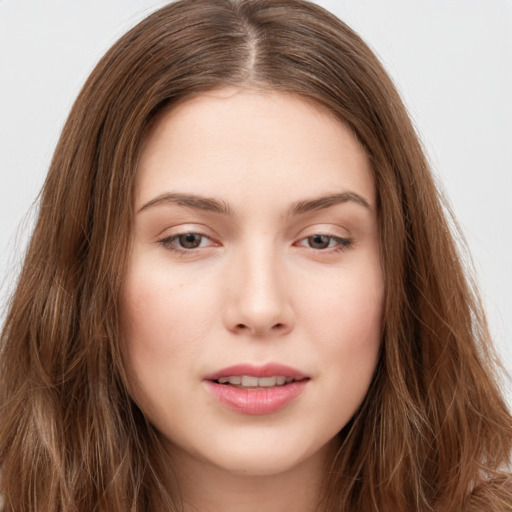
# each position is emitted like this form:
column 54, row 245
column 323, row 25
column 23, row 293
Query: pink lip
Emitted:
column 257, row 401
column 267, row 370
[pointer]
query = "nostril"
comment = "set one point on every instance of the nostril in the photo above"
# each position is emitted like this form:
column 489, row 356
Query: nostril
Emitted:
column 260, row 330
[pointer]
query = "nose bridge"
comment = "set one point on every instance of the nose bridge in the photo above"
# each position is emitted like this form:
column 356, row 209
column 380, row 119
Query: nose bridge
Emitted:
column 259, row 295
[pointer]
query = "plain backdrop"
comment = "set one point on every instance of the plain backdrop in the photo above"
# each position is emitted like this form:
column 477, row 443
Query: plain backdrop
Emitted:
column 451, row 60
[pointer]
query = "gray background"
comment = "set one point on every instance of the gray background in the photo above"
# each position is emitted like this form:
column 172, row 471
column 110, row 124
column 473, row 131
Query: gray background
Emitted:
column 451, row 60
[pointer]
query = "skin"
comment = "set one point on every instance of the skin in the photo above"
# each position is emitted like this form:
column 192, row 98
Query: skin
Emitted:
column 258, row 288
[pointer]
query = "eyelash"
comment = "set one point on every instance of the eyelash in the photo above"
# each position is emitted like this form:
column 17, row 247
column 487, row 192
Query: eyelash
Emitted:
column 343, row 244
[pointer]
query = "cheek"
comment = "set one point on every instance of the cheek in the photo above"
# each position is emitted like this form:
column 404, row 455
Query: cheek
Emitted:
column 345, row 320
column 163, row 325
column 350, row 335
column 164, row 301
column 349, row 305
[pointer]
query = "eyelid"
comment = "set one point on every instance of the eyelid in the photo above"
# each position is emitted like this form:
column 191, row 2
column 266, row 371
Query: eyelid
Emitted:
column 182, row 228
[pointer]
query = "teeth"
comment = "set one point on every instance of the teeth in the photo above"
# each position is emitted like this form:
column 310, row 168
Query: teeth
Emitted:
column 230, row 380
column 265, row 381
column 250, row 382
column 255, row 382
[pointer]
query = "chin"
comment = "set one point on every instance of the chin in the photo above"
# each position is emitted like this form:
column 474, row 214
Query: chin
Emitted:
column 260, row 459
column 256, row 465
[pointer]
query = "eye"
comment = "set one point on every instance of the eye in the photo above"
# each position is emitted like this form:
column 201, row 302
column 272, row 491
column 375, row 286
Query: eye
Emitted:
column 189, row 240
column 322, row 242
column 186, row 242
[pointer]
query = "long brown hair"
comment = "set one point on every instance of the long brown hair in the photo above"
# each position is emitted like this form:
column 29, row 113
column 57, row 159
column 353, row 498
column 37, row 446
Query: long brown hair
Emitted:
column 433, row 432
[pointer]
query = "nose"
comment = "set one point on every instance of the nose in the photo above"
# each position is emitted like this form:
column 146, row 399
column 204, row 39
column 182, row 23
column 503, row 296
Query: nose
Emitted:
column 258, row 295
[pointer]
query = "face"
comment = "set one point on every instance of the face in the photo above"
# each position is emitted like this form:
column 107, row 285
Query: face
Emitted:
column 251, row 308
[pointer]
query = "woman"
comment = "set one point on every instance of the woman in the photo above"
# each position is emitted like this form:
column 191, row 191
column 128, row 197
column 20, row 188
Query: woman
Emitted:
column 242, row 290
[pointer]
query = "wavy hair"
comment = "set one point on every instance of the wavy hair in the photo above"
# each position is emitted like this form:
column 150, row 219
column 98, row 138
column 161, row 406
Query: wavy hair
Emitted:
column 433, row 433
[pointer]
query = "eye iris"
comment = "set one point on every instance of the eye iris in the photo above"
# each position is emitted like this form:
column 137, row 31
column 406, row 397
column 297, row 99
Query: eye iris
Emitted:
column 190, row 240
column 319, row 241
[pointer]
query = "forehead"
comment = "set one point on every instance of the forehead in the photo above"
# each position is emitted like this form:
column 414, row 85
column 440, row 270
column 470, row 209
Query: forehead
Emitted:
column 244, row 144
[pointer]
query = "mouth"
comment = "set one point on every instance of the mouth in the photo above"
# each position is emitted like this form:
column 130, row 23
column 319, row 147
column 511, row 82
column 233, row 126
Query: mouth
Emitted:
column 256, row 390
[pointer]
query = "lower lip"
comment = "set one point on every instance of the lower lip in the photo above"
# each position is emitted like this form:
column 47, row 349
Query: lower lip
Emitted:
column 256, row 400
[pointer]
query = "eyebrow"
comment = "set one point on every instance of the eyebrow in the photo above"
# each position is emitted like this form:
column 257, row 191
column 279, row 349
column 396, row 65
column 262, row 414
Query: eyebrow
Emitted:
column 211, row 204
column 194, row 201
column 320, row 203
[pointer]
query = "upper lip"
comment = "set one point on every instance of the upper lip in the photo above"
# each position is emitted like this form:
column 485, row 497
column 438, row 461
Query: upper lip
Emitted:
column 266, row 370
